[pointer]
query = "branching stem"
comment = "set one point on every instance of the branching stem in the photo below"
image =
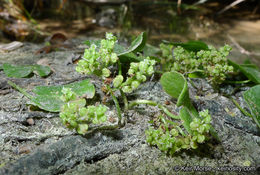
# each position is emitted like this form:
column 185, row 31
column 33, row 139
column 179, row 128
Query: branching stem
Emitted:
column 152, row 103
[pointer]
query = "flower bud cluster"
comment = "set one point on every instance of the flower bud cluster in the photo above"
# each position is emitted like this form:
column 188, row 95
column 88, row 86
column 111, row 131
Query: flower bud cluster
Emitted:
column 75, row 115
column 96, row 61
column 174, row 140
column 167, row 56
column 200, row 127
column 185, row 61
column 215, row 63
column 212, row 62
column 138, row 73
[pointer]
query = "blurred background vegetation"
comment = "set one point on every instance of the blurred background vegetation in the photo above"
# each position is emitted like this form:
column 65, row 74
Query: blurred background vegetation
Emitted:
column 214, row 21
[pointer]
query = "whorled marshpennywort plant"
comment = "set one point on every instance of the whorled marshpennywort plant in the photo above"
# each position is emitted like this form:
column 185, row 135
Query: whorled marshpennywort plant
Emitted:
column 99, row 60
column 171, row 137
column 212, row 63
column 75, row 115
column 170, row 133
column 175, row 132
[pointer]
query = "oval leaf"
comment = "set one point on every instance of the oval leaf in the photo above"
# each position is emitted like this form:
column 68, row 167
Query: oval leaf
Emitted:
column 48, row 97
column 25, row 71
column 80, row 88
column 16, row 71
column 42, row 71
column 251, row 71
column 137, row 45
column 176, row 86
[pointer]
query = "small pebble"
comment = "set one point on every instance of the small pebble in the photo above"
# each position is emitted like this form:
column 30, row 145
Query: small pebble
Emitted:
column 24, row 149
column 30, row 121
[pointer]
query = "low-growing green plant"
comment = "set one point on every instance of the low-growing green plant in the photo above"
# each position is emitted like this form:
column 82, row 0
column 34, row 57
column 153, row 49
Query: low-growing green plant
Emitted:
column 75, row 115
column 104, row 58
column 101, row 60
column 211, row 62
column 138, row 73
column 170, row 137
column 96, row 61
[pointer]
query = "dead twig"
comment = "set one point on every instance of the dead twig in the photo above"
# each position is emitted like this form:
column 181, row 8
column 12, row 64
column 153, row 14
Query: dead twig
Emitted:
column 179, row 6
column 230, row 6
column 241, row 49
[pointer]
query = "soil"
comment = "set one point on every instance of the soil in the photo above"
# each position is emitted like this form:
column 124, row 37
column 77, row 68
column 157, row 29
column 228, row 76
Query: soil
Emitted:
column 36, row 142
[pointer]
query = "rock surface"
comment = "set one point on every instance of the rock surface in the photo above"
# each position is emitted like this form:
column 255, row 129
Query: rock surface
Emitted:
column 47, row 147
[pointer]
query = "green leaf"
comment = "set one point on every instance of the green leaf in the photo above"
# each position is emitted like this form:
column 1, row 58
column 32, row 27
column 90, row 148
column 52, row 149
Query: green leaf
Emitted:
column 125, row 55
column 251, row 71
column 176, row 86
column 130, row 57
column 48, row 97
column 47, row 103
column 90, row 42
column 137, row 45
column 186, row 118
column 80, row 88
column 252, row 97
column 42, row 71
column 190, row 45
column 25, row 71
column 17, row 71
column 150, row 50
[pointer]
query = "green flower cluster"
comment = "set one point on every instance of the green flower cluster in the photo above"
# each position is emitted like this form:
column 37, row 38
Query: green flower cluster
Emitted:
column 200, row 126
column 185, row 61
column 138, row 73
column 166, row 52
column 213, row 63
column 96, row 61
column 174, row 139
column 75, row 115
column 167, row 56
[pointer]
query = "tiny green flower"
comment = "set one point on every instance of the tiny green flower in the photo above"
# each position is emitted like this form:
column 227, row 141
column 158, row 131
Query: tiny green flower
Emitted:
column 82, row 128
column 106, row 72
column 114, row 58
column 135, row 84
column 127, row 89
column 118, row 80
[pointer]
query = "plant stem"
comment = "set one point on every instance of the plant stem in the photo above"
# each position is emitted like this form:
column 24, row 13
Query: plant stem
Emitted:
column 100, row 128
column 192, row 109
column 119, row 67
column 159, row 72
column 125, row 100
column 237, row 82
column 137, row 102
column 191, row 82
column 117, row 107
column 20, row 89
column 152, row 103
